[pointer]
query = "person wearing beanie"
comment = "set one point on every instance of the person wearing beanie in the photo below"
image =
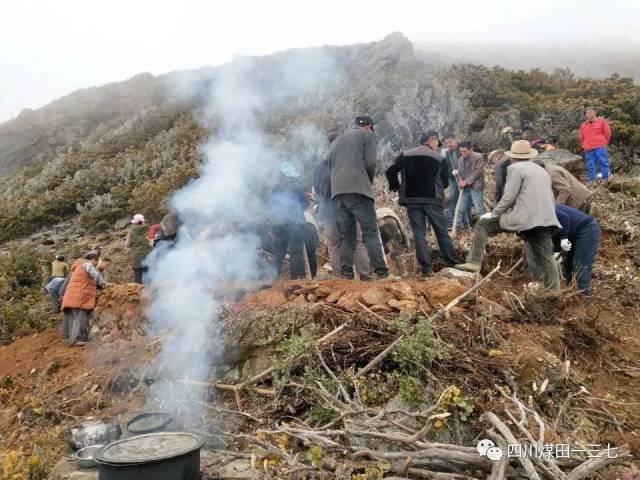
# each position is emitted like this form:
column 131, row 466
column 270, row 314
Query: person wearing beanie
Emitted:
column 423, row 178
column 527, row 208
column 352, row 165
column 79, row 298
column 138, row 244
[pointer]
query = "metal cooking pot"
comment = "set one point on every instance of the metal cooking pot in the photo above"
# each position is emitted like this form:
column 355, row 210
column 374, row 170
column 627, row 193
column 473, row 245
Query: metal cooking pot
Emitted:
column 92, row 432
column 154, row 456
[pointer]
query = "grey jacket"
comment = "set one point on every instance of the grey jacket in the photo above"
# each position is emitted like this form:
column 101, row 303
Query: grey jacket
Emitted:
column 528, row 200
column 476, row 177
column 352, row 163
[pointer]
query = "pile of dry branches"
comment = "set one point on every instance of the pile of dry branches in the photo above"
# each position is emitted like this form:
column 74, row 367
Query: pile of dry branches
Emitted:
column 386, row 443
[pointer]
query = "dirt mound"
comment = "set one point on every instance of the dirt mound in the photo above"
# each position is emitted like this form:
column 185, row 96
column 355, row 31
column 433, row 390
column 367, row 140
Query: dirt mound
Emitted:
column 47, row 386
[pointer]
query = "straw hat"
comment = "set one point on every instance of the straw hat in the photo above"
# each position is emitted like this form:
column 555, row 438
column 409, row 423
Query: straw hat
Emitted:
column 521, row 149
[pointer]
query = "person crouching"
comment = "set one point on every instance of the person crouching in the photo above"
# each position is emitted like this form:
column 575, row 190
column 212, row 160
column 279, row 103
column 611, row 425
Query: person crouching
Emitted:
column 80, row 298
column 579, row 239
column 527, row 208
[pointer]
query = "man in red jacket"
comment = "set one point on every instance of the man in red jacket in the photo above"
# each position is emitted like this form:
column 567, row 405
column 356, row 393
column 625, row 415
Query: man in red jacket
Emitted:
column 594, row 137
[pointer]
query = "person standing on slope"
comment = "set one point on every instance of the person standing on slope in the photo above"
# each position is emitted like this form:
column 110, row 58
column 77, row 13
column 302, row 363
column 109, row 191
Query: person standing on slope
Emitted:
column 423, row 178
column 139, row 244
column 80, row 298
column 595, row 135
column 352, row 165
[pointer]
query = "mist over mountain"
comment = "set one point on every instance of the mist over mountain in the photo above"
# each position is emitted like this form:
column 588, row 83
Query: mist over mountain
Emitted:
column 598, row 60
column 103, row 152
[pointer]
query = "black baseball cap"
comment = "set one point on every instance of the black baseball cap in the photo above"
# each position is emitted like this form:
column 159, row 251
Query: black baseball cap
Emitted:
column 364, row 121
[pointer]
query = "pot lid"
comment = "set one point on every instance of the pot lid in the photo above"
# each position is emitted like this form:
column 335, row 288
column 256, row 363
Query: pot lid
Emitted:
column 148, row 422
column 151, row 447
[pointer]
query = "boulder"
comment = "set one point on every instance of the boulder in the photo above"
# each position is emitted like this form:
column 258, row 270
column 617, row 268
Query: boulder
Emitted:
column 376, row 296
column 442, row 291
column 312, row 297
column 402, row 291
column 350, row 301
column 333, row 297
column 454, row 273
column 405, row 306
column 629, row 186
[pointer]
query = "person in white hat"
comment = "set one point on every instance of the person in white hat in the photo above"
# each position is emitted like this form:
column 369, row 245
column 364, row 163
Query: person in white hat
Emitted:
column 527, row 207
column 138, row 243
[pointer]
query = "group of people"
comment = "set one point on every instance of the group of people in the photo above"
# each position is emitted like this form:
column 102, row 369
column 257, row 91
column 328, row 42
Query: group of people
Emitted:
column 542, row 203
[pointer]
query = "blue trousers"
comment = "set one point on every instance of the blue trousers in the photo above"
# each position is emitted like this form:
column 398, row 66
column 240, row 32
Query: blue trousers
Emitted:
column 470, row 196
column 597, row 159
column 579, row 260
column 454, row 193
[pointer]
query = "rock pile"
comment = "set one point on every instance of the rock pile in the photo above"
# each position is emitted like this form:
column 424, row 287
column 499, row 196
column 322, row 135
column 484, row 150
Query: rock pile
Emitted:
column 385, row 296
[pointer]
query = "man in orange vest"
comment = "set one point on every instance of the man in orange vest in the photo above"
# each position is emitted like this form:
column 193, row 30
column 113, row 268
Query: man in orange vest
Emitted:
column 80, row 298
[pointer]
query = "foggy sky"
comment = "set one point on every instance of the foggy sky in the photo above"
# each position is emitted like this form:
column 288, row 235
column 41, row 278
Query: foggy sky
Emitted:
column 51, row 48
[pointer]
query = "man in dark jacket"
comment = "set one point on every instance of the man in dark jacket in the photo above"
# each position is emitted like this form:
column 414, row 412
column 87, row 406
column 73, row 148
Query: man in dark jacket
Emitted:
column 579, row 238
column 423, row 178
column 471, row 181
column 500, row 164
column 352, row 164
column 287, row 203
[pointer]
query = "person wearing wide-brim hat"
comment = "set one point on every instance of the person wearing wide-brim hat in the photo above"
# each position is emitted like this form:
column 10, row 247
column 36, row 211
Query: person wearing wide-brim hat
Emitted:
column 527, row 207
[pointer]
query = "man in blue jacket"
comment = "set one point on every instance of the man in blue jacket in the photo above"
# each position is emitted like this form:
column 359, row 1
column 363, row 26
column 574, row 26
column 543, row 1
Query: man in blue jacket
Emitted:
column 579, row 238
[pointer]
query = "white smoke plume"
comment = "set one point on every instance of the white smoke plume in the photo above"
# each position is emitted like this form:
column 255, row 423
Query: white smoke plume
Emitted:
column 216, row 243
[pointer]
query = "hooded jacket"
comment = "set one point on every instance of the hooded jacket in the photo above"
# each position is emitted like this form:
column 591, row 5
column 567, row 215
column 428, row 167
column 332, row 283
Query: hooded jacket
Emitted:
column 423, row 176
column 527, row 201
column 352, row 163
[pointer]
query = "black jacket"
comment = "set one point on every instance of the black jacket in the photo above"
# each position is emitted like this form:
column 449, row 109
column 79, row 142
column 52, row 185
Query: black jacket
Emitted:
column 423, row 176
column 500, row 177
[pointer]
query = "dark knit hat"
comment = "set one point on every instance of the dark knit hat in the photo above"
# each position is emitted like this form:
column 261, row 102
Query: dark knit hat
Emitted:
column 424, row 138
